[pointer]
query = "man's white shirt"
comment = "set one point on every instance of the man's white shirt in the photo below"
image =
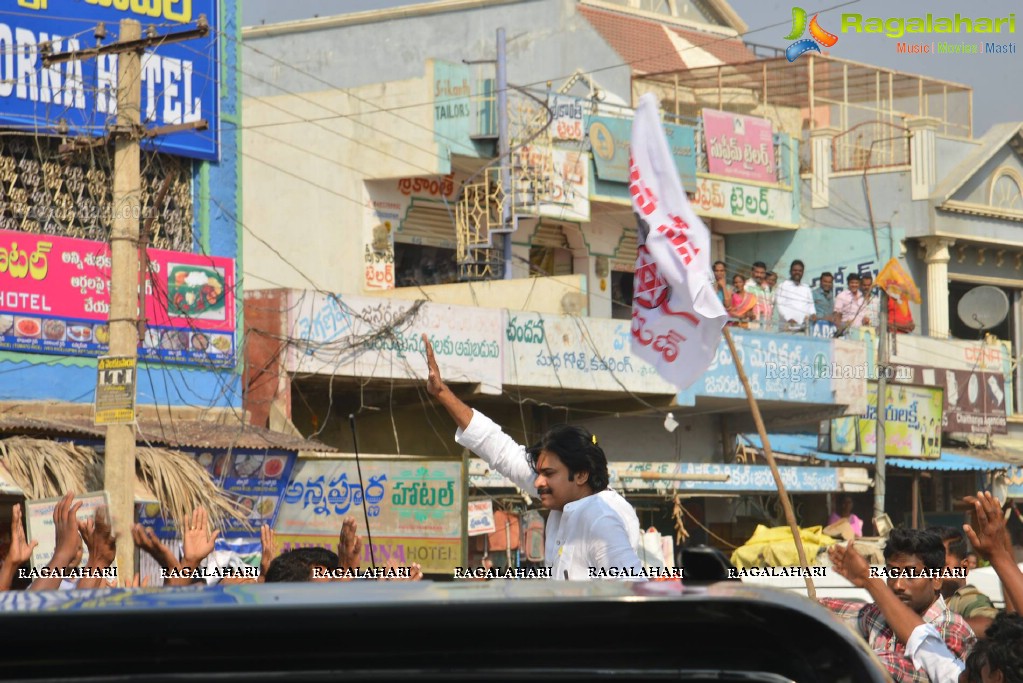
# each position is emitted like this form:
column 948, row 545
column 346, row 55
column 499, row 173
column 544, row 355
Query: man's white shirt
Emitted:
column 599, row 531
column 794, row 302
column 928, row 651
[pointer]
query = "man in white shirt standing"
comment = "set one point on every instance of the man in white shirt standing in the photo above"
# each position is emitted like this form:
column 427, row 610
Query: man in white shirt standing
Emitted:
column 591, row 531
column 794, row 300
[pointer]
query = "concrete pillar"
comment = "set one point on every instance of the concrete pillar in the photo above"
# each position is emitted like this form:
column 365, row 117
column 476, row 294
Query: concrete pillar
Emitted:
column 820, row 158
column 923, row 155
column 936, row 257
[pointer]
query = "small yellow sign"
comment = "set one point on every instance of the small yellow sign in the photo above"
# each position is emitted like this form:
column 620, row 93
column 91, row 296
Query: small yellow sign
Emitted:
column 115, row 390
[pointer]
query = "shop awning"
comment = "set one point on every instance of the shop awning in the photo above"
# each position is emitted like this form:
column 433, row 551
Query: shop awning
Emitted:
column 950, row 460
column 694, row 478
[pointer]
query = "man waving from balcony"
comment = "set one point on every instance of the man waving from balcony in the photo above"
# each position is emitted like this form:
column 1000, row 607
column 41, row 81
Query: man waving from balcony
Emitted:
column 592, row 532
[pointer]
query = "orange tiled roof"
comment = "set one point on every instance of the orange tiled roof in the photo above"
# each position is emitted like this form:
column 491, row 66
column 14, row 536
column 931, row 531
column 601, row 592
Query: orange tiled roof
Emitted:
column 645, row 46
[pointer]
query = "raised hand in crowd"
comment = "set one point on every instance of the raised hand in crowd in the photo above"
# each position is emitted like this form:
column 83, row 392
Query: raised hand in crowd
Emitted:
column 268, row 538
column 990, row 538
column 68, row 541
column 19, row 552
column 850, row 564
column 349, row 545
column 102, row 543
column 415, row 571
column 146, row 541
column 197, row 540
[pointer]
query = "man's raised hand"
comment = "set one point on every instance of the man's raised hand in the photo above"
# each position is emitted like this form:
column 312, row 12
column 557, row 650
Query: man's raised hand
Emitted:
column 268, row 539
column 65, row 524
column 197, row 541
column 850, row 564
column 20, row 550
column 99, row 538
column 434, row 383
column 146, row 540
column 987, row 533
column 435, row 386
column 349, row 545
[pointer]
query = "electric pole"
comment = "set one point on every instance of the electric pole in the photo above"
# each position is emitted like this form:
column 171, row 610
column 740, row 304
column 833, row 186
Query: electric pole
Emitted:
column 119, row 454
column 882, row 403
column 125, row 278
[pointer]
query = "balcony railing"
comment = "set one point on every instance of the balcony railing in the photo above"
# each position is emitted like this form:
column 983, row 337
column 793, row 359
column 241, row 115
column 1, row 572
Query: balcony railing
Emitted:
column 870, row 145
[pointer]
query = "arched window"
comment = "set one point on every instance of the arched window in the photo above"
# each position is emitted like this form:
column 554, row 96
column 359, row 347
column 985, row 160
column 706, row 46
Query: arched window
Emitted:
column 1006, row 192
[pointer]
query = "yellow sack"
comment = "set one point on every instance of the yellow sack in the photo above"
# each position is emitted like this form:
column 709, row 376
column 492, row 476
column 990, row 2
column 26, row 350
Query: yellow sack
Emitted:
column 774, row 547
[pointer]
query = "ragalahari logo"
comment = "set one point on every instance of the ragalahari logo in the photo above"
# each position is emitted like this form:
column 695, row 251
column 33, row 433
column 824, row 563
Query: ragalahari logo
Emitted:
column 818, row 35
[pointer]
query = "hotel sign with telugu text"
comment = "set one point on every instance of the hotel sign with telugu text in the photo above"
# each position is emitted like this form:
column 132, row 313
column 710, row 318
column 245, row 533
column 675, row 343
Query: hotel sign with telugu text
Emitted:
column 180, row 80
column 55, row 298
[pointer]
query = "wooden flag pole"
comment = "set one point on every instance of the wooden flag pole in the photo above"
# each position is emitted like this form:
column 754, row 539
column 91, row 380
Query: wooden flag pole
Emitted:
column 769, row 454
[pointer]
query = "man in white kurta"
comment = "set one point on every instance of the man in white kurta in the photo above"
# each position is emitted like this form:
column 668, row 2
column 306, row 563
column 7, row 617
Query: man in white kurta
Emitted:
column 600, row 530
column 793, row 300
column 592, row 532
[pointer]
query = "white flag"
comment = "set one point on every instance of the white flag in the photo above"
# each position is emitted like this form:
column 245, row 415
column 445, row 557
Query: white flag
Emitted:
column 676, row 315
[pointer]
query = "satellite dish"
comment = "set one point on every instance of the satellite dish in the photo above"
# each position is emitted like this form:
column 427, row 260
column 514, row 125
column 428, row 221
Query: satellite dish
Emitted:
column 983, row 307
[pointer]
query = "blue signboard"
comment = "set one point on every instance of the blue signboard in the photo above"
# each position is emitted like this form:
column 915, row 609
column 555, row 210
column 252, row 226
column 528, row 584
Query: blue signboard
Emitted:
column 255, row 479
column 610, row 138
column 180, row 81
column 780, row 367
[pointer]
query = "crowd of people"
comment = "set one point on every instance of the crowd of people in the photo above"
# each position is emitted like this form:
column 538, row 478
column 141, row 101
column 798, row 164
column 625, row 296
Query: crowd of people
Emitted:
column 760, row 302
column 193, row 565
column 926, row 622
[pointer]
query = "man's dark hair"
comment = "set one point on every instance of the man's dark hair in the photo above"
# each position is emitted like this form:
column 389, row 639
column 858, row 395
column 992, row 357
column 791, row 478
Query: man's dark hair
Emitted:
column 760, row 264
column 925, row 545
column 578, row 449
column 827, row 273
column 852, row 276
column 289, row 567
column 958, row 546
column 317, row 556
column 799, row 263
column 1001, row 649
column 722, row 263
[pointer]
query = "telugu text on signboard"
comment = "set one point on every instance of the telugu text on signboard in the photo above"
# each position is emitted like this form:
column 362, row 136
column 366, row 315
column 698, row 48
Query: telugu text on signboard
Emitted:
column 739, row 146
column 912, row 424
column 180, row 80
column 55, row 298
column 414, row 507
column 115, row 390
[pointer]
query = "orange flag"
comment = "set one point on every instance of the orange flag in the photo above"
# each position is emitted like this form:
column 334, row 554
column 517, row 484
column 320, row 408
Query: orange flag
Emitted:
column 897, row 283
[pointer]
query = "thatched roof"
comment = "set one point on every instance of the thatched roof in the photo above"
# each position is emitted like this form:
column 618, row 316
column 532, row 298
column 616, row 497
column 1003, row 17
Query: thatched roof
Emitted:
column 43, row 468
